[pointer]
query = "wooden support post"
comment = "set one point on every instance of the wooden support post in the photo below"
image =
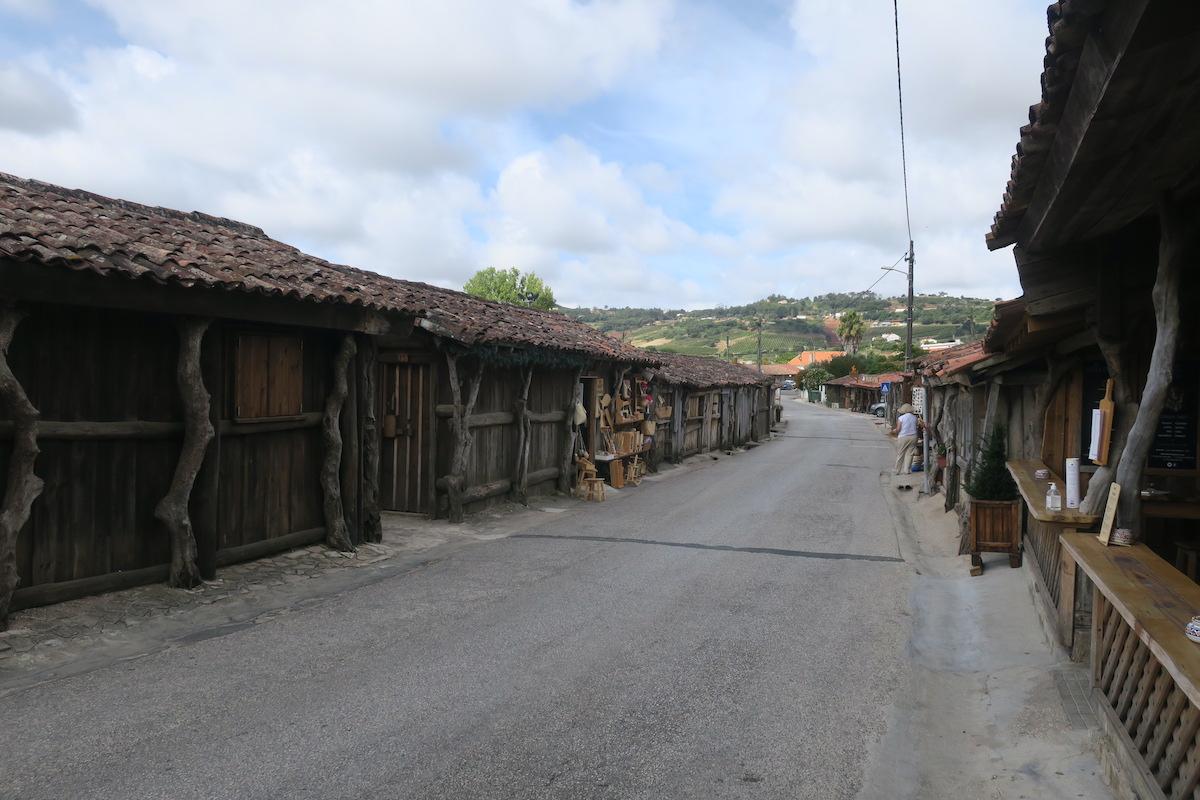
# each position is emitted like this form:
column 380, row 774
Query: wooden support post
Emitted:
column 566, row 467
column 520, row 482
column 337, row 535
column 460, row 429
column 206, row 496
column 1176, row 234
column 22, row 486
column 198, row 431
column 349, row 469
column 372, row 528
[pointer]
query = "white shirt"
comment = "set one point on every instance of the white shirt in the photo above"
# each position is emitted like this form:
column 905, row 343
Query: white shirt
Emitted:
column 908, row 425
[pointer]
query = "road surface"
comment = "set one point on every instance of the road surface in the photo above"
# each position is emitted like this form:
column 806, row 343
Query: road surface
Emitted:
column 732, row 630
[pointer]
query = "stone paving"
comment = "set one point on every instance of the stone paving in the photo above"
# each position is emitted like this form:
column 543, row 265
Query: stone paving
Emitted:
column 36, row 632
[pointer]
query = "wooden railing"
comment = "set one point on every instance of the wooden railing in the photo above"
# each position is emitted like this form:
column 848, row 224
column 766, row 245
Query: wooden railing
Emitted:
column 1145, row 674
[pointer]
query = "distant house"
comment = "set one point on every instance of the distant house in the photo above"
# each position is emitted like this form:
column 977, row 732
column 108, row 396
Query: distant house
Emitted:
column 781, row 372
column 810, row 357
column 934, row 347
column 889, row 337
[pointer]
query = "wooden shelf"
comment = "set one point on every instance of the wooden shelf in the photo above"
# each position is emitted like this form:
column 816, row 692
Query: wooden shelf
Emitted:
column 1155, row 599
column 1033, row 491
column 616, row 456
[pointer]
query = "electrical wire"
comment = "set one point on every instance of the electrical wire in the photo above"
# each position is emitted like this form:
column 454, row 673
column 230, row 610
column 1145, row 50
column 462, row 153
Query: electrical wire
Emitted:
column 900, row 96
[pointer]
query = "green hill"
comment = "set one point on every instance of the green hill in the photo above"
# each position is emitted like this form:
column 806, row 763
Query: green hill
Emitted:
column 789, row 325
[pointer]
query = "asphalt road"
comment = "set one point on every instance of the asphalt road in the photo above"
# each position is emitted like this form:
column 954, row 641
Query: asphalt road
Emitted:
column 736, row 630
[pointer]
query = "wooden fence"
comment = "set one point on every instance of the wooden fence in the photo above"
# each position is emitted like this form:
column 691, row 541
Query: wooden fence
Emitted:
column 110, row 437
column 492, row 461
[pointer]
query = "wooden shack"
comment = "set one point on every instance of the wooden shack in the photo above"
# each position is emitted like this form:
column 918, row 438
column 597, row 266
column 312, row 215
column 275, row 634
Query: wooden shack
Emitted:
column 1103, row 207
column 180, row 391
column 704, row 404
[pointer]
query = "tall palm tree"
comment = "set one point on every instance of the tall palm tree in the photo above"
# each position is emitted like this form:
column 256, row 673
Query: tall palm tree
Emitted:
column 850, row 330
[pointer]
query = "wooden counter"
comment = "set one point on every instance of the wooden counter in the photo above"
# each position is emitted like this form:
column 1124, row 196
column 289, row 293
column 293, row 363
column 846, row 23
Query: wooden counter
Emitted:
column 1155, row 600
column 1033, row 491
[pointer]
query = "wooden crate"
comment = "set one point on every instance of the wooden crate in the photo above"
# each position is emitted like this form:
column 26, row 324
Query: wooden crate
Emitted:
column 995, row 528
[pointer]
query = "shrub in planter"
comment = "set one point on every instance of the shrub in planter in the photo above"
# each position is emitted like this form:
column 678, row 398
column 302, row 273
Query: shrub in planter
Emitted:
column 995, row 520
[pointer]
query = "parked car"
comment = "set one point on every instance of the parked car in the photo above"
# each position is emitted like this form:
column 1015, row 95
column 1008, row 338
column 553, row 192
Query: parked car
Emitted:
column 878, row 409
column 789, row 384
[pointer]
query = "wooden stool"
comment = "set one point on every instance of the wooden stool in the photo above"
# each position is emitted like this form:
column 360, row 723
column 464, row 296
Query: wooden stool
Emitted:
column 1187, row 557
column 593, row 489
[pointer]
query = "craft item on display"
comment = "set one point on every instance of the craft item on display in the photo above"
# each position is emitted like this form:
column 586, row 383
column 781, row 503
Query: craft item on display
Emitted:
column 1041, row 474
column 580, row 414
column 1121, row 536
column 1192, row 630
column 1097, row 435
column 1110, row 514
column 1072, row 483
column 1106, row 409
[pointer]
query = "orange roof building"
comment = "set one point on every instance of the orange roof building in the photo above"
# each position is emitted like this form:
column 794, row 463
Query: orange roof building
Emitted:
column 810, row 357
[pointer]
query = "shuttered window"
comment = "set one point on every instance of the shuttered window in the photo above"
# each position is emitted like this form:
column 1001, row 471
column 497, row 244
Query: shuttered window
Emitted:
column 268, row 376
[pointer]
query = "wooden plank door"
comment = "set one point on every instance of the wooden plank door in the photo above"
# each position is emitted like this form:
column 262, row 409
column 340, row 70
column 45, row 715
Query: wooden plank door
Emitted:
column 403, row 457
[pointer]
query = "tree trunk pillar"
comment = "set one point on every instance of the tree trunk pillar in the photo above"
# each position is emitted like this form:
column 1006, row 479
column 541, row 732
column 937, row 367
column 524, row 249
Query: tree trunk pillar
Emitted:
column 1176, row 233
column 460, row 430
column 198, row 431
column 337, row 533
column 567, row 463
column 22, row 486
column 520, row 483
column 372, row 528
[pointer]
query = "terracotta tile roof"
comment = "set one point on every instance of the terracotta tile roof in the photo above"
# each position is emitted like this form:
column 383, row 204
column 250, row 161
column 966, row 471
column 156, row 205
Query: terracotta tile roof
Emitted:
column 703, row 372
column 810, row 357
column 1070, row 22
column 53, row 226
column 867, row 381
column 780, row 369
column 954, row 360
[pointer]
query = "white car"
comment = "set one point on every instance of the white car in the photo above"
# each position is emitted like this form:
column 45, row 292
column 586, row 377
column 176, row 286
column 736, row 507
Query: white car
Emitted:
column 878, row 409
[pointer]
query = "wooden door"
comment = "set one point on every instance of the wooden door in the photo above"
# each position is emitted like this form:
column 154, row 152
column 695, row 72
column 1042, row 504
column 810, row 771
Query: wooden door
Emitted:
column 403, row 415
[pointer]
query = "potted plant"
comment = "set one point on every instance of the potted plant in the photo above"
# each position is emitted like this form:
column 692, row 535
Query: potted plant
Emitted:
column 941, row 456
column 995, row 522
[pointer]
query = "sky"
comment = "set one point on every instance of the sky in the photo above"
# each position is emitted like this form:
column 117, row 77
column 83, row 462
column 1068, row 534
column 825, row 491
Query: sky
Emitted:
column 670, row 153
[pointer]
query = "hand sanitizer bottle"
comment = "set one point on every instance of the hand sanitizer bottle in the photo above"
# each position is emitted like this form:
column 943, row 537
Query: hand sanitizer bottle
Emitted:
column 1053, row 498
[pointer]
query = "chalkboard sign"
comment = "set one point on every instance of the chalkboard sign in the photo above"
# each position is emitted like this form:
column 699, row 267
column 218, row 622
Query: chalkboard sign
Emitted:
column 1095, row 377
column 1174, row 444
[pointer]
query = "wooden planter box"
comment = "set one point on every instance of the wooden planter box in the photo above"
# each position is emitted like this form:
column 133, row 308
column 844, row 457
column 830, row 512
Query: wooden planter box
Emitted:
column 995, row 528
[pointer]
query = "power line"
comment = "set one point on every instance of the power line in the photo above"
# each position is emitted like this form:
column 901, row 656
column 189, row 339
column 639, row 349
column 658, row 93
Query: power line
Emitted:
column 900, row 96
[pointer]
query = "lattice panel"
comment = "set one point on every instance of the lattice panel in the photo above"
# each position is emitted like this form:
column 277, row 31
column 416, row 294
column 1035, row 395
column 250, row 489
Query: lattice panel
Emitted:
column 1161, row 722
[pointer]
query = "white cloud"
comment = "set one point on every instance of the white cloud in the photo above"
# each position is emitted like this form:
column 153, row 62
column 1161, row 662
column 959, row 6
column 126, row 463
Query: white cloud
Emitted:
column 33, row 103
column 629, row 151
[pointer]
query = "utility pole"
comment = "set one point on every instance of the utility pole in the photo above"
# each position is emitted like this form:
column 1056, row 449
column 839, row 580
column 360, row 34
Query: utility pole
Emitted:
column 760, row 326
column 908, row 342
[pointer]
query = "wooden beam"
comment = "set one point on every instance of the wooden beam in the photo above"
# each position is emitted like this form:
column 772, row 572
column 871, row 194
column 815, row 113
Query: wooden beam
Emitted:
column 1098, row 63
column 59, row 285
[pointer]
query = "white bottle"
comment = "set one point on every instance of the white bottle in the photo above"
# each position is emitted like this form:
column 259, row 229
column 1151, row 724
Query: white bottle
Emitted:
column 1053, row 498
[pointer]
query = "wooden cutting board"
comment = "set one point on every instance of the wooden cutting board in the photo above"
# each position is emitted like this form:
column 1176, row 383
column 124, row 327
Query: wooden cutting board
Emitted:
column 1106, row 406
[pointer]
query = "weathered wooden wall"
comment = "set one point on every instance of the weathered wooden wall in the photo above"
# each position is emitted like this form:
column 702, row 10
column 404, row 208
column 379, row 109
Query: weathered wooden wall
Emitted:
column 493, row 456
column 109, row 376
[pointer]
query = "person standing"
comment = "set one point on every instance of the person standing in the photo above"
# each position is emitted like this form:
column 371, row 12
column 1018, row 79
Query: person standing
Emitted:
column 905, row 431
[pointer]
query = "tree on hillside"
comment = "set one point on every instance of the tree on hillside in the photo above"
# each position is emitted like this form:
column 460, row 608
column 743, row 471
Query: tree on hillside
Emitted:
column 511, row 286
column 851, row 328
